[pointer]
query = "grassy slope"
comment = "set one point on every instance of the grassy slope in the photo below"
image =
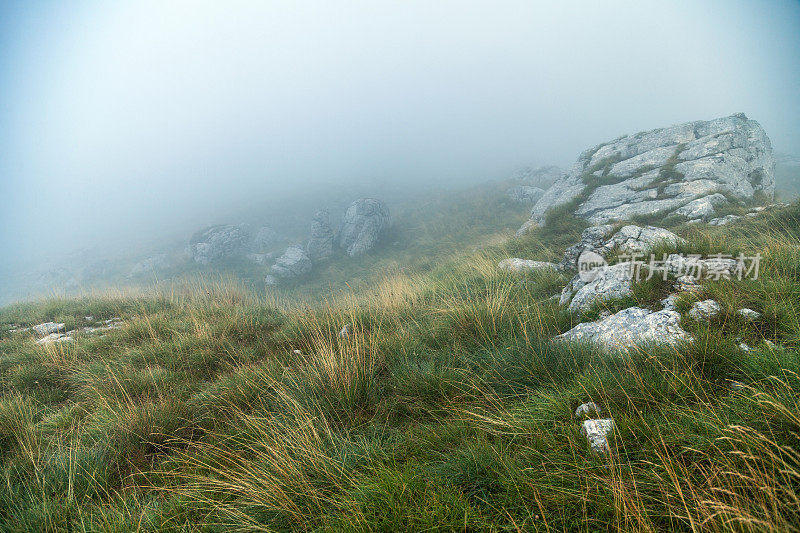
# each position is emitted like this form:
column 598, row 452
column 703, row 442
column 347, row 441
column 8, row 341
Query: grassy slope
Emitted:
column 447, row 408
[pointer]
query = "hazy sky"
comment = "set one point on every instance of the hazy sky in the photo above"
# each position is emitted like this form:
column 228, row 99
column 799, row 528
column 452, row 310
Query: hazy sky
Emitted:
column 125, row 118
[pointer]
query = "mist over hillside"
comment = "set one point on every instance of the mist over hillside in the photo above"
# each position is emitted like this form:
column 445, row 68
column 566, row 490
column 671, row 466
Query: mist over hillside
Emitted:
column 400, row 266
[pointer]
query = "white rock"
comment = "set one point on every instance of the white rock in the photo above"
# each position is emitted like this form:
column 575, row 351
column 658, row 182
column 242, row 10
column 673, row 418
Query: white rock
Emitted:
column 730, row 155
column 631, row 327
column 586, row 409
column 704, row 310
column 596, row 432
column 749, row 313
column 345, row 331
column 515, row 264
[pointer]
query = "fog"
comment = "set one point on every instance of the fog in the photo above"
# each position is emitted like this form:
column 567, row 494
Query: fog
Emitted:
column 126, row 121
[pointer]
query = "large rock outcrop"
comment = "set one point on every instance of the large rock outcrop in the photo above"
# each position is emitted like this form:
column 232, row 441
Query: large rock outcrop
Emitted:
column 364, row 223
column 663, row 171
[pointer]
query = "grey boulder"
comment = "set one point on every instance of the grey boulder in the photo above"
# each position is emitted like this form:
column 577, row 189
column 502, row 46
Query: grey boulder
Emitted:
column 363, row 225
column 292, row 264
column 218, row 243
column 320, row 245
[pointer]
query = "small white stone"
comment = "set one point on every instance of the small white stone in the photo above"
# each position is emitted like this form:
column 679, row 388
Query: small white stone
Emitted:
column 596, row 432
column 345, row 331
column 586, row 409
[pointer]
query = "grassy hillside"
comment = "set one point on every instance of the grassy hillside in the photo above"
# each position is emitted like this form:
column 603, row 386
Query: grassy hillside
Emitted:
column 216, row 408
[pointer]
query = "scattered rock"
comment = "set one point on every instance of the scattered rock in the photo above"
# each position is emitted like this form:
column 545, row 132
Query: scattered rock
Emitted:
column 631, row 327
column 320, row 246
column 596, row 432
column 663, row 170
column 47, row 328
column 515, row 264
column 292, row 264
column 705, row 310
column 345, row 331
column 364, row 223
column 587, row 409
column 744, row 347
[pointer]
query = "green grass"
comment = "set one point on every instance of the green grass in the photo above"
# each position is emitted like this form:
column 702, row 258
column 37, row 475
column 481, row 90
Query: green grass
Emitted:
column 216, row 408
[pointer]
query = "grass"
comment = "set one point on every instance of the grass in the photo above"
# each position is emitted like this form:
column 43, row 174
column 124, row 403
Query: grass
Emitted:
column 446, row 408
